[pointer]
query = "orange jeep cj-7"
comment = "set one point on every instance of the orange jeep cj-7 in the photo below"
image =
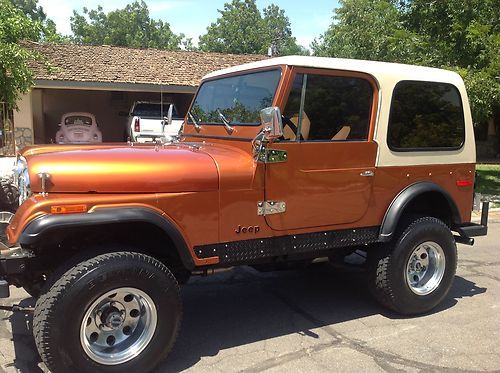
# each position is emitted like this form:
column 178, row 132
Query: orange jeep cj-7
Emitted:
column 289, row 159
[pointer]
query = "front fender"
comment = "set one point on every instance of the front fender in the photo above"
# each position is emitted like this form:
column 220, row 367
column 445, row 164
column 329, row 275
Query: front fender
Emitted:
column 37, row 230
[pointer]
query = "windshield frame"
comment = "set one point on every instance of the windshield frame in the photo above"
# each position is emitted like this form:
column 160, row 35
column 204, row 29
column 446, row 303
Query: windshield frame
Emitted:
column 277, row 68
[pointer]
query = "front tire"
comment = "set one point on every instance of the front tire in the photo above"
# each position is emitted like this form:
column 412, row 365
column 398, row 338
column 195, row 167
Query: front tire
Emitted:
column 116, row 312
column 414, row 273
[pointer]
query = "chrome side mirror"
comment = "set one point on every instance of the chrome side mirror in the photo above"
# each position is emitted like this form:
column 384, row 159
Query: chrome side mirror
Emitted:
column 272, row 128
column 272, row 125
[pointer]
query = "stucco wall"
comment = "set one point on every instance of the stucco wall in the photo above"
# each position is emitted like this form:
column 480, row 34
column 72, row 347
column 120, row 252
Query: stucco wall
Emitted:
column 23, row 121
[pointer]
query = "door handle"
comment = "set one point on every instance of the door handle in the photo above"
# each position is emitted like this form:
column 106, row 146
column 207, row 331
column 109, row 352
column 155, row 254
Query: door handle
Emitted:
column 367, row 173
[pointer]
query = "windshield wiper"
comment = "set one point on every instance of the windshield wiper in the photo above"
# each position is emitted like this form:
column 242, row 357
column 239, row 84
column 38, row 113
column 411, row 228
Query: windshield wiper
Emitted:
column 229, row 129
column 196, row 125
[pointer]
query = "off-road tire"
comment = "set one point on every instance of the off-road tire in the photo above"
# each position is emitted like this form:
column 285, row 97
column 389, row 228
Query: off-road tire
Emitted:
column 387, row 265
column 59, row 311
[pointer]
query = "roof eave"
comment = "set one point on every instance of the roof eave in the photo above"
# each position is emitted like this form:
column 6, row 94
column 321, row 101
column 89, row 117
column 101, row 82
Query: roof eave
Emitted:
column 113, row 86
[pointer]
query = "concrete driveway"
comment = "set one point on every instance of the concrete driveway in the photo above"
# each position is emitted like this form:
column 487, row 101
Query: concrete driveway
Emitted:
column 315, row 320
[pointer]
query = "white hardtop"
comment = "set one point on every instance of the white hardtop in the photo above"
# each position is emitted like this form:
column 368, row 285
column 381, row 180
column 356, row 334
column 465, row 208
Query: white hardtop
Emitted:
column 379, row 70
column 387, row 75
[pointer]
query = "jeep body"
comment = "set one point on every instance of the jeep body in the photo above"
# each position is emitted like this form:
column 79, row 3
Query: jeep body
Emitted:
column 284, row 160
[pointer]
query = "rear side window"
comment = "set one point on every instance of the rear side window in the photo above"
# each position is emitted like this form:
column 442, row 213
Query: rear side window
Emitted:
column 425, row 116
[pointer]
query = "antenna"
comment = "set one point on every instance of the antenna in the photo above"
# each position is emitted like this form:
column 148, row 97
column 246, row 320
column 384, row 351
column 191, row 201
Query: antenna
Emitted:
column 161, row 100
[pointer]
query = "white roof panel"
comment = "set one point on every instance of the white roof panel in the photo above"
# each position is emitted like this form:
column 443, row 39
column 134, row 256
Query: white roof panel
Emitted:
column 379, row 70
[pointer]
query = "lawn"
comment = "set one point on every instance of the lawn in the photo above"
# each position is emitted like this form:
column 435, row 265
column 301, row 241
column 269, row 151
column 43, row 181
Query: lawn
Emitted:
column 488, row 179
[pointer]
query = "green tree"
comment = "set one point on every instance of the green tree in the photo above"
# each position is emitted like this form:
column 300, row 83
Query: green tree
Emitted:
column 130, row 26
column 238, row 30
column 450, row 34
column 370, row 29
column 47, row 27
column 16, row 77
column 242, row 28
column 278, row 32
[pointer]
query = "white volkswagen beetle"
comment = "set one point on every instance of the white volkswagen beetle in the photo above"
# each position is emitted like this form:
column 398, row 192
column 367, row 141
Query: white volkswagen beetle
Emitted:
column 78, row 128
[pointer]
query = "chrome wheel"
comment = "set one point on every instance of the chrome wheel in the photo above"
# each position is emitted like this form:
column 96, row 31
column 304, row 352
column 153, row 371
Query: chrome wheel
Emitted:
column 118, row 326
column 425, row 268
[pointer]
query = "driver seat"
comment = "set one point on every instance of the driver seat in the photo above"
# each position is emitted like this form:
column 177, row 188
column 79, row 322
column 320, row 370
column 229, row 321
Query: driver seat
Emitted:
column 289, row 134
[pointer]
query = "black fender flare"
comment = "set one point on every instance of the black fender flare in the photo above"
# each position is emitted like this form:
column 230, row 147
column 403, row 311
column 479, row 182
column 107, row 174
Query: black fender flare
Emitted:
column 39, row 227
column 399, row 203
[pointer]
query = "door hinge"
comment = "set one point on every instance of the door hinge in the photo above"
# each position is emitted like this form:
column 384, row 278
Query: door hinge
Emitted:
column 272, row 156
column 270, row 207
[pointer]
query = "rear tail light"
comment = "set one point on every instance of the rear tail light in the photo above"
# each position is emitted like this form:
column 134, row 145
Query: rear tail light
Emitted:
column 137, row 125
column 464, row 183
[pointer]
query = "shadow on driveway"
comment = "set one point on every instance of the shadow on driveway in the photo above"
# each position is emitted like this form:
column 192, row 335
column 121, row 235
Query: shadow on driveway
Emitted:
column 244, row 306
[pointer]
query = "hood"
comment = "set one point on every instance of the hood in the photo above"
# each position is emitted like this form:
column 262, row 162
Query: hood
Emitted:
column 122, row 169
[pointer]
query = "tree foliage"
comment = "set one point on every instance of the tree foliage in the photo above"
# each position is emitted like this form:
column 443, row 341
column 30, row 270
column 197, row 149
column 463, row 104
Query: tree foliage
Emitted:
column 47, row 28
column 451, row 34
column 131, row 26
column 242, row 28
column 16, row 77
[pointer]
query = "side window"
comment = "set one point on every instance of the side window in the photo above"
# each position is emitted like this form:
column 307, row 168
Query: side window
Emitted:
column 335, row 108
column 425, row 116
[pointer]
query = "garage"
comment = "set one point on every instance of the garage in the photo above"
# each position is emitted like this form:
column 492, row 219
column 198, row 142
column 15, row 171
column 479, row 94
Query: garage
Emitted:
column 110, row 109
column 105, row 81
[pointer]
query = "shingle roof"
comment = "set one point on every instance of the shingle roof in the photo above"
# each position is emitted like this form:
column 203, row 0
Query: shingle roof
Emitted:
column 109, row 64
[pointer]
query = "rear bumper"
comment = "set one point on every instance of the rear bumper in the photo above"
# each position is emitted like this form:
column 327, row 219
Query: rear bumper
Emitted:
column 469, row 230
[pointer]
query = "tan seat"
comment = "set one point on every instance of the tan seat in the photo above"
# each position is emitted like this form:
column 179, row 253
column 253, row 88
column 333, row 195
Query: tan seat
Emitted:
column 289, row 134
column 342, row 134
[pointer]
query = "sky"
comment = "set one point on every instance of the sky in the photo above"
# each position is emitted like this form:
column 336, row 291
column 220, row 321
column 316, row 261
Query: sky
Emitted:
column 309, row 19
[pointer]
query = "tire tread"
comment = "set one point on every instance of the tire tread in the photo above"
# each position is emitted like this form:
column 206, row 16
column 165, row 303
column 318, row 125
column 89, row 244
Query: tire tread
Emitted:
column 382, row 261
column 44, row 310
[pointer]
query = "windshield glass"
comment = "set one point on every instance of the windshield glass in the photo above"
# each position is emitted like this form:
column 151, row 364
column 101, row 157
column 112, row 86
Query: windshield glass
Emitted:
column 152, row 110
column 78, row 120
column 238, row 98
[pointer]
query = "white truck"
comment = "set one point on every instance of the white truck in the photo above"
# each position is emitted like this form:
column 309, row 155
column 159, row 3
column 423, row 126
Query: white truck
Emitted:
column 149, row 121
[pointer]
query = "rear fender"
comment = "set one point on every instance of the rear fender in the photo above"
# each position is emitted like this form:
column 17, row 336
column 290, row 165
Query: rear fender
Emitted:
column 397, row 207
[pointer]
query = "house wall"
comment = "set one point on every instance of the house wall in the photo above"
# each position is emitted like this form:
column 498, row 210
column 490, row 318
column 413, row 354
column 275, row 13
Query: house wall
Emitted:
column 23, row 121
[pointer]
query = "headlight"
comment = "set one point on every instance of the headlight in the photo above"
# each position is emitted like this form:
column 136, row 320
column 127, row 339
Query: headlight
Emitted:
column 22, row 179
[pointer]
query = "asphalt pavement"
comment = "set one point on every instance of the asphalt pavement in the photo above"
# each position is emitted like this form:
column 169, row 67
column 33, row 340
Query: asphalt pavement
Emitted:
column 314, row 320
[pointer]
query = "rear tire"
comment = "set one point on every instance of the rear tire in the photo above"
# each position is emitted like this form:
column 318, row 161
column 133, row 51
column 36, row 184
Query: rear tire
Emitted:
column 116, row 312
column 414, row 273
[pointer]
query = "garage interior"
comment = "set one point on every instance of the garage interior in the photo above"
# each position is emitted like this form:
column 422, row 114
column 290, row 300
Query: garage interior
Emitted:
column 110, row 108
